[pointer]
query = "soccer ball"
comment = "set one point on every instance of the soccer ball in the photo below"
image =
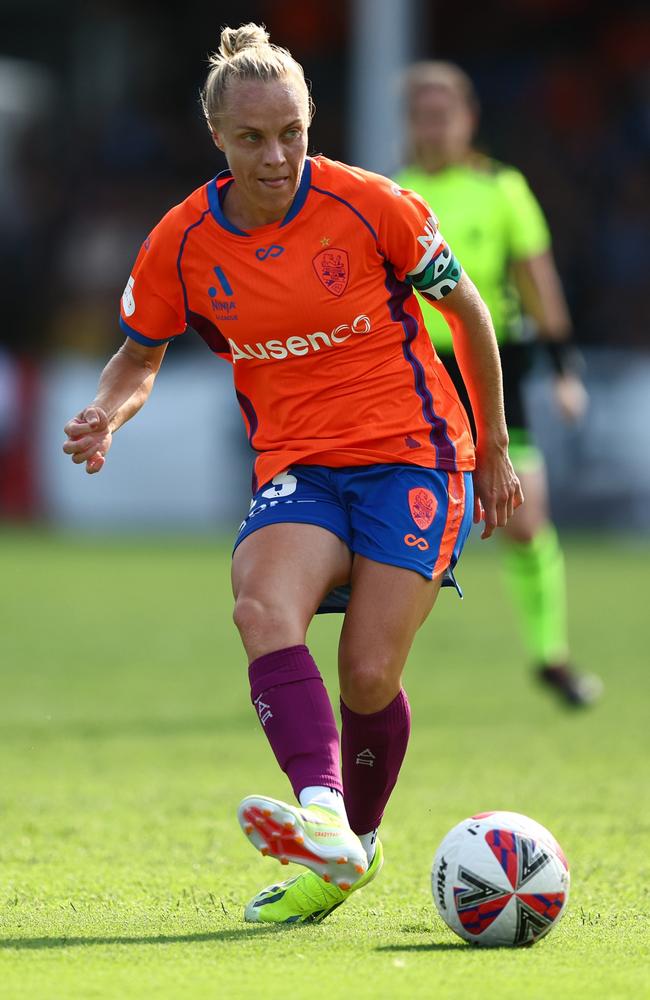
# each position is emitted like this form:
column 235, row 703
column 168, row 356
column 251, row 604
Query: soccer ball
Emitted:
column 500, row 878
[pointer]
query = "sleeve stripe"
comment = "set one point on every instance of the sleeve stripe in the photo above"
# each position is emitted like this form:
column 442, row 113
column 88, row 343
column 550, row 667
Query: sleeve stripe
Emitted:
column 147, row 341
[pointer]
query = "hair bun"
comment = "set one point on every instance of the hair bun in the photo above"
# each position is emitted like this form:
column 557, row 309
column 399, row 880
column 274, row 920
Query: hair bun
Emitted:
column 233, row 40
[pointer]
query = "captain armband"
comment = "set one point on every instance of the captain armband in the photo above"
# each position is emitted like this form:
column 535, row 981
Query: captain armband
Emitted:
column 438, row 273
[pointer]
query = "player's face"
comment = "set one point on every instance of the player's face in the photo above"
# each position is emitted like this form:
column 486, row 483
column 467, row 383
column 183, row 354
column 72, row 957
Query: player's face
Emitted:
column 263, row 133
column 441, row 123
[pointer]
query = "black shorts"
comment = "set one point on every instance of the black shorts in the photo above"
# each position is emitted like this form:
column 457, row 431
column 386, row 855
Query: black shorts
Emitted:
column 516, row 362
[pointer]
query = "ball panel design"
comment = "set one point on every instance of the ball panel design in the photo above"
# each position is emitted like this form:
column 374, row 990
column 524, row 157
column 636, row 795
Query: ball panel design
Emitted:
column 500, row 878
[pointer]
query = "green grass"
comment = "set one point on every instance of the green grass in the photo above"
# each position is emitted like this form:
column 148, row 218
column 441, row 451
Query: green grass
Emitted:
column 127, row 741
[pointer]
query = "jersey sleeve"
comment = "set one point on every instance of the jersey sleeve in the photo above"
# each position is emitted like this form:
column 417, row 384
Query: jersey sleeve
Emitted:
column 409, row 236
column 152, row 309
column 527, row 228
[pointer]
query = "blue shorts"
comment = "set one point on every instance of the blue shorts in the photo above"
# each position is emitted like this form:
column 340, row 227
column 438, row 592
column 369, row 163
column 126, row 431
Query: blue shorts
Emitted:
column 403, row 515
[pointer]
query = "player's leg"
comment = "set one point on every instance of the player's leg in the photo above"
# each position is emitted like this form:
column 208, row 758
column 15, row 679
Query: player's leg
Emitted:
column 409, row 528
column 281, row 570
column 280, row 574
column 386, row 608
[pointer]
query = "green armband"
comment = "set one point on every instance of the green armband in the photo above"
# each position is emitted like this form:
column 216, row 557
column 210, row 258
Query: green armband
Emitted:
column 438, row 273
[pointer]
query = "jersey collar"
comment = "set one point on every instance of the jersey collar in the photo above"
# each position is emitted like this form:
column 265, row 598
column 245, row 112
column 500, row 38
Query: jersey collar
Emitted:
column 219, row 185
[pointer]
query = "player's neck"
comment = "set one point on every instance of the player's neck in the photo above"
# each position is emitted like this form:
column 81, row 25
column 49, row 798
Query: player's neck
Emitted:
column 247, row 216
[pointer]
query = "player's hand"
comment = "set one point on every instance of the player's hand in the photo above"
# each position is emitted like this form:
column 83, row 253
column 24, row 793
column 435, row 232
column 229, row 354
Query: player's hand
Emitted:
column 570, row 397
column 89, row 438
column 497, row 491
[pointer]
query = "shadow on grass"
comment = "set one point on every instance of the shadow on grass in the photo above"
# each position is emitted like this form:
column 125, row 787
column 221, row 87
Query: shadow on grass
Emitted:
column 432, row 946
column 35, row 944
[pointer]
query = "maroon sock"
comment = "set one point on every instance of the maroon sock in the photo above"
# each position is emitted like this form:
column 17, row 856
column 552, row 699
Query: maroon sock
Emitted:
column 296, row 714
column 373, row 748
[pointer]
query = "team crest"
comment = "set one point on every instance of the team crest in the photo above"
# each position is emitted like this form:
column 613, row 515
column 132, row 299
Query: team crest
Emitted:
column 423, row 507
column 332, row 267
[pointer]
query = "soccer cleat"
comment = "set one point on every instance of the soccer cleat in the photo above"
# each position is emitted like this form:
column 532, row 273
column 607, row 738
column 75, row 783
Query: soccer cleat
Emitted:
column 314, row 836
column 577, row 690
column 306, row 899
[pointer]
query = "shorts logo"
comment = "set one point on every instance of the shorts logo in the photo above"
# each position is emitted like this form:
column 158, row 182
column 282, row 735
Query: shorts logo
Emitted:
column 423, row 506
column 420, row 543
column 332, row 267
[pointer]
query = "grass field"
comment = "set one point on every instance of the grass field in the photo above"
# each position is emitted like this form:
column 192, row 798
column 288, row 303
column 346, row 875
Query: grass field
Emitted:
column 127, row 741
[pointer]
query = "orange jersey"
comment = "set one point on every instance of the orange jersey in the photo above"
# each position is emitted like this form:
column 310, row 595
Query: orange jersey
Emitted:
column 331, row 359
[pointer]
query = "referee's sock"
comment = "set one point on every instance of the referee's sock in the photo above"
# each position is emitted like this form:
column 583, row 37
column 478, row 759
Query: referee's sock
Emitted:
column 536, row 577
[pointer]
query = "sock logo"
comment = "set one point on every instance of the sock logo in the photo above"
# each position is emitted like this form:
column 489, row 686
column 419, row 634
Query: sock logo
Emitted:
column 263, row 710
column 366, row 757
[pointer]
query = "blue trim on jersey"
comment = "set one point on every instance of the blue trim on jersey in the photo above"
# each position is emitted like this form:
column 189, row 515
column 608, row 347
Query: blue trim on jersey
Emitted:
column 399, row 292
column 351, row 207
column 147, row 341
column 301, row 194
column 214, row 199
column 178, row 260
column 251, row 415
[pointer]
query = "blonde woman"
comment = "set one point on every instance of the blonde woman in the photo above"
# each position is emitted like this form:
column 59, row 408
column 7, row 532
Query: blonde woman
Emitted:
column 301, row 272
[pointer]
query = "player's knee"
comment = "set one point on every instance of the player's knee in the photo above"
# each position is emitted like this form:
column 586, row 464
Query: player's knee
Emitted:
column 256, row 616
column 369, row 687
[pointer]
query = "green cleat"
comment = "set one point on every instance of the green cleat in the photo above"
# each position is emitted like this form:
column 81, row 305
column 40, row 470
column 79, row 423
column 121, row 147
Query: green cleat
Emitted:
column 314, row 836
column 305, row 899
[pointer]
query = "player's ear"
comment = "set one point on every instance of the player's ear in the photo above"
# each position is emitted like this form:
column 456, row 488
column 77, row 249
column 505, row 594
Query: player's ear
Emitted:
column 216, row 138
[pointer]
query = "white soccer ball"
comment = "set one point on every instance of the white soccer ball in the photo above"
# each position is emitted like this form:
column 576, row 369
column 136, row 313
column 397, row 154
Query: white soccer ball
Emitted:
column 500, row 878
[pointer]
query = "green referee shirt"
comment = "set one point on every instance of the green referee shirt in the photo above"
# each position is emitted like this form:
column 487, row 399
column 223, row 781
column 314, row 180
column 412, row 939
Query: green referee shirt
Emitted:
column 489, row 217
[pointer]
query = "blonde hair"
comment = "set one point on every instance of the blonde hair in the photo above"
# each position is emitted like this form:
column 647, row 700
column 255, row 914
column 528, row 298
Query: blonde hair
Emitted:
column 437, row 73
column 246, row 53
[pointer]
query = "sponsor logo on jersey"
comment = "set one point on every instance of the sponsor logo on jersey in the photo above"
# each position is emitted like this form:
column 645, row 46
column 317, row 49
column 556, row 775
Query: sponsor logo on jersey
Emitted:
column 332, row 267
column 273, row 251
column 278, row 350
column 423, row 505
column 222, row 298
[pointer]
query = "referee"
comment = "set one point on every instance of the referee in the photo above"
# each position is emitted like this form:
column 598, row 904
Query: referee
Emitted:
column 491, row 218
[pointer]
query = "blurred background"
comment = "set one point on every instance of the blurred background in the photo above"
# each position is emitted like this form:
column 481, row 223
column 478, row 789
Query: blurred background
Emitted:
column 101, row 133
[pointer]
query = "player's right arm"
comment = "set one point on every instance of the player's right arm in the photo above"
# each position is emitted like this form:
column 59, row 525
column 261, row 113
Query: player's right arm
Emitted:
column 152, row 314
column 124, row 387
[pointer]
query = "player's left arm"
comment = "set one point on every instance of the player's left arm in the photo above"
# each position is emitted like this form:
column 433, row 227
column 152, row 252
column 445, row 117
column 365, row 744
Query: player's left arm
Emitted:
column 497, row 488
column 413, row 243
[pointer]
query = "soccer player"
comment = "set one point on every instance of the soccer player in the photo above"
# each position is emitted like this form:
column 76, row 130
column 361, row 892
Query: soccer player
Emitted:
column 301, row 273
column 496, row 226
